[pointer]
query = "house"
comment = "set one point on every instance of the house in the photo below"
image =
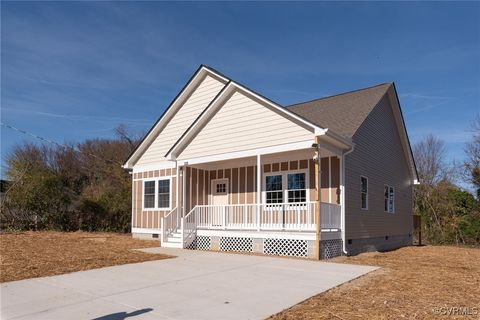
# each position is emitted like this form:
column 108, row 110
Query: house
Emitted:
column 225, row 168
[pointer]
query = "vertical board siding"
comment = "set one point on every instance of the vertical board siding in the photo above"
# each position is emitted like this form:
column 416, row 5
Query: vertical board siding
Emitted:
column 335, row 183
column 243, row 123
column 379, row 156
column 184, row 117
column 250, row 185
column 235, row 192
column 324, row 180
column 151, row 218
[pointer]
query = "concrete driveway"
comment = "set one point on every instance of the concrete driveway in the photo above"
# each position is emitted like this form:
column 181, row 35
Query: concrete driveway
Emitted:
column 195, row 285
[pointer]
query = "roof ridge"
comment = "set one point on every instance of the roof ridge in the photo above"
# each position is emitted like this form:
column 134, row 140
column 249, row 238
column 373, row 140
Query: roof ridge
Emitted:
column 340, row 94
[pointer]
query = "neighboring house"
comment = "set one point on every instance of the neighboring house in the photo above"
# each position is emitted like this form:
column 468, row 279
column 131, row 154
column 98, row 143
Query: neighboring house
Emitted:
column 225, row 168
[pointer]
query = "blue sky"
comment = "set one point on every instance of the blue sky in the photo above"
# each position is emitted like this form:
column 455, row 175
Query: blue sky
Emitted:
column 74, row 70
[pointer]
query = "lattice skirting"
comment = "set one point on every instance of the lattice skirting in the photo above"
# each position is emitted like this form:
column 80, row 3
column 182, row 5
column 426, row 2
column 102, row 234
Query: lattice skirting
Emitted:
column 236, row 244
column 330, row 248
column 285, row 247
column 201, row 243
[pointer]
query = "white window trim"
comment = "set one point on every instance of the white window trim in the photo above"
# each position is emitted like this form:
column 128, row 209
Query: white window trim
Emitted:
column 284, row 175
column 368, row 191
column 388, row 199
column 156, row 208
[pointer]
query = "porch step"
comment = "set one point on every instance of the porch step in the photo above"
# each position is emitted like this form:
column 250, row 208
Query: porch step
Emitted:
column 174, row 239
column 168, row 244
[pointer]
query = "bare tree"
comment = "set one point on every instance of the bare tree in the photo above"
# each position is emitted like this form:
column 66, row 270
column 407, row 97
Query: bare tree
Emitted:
column 472, row 150
column 430, row 160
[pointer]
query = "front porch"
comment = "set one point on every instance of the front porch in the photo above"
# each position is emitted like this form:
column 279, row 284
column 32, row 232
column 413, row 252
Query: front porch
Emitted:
column 279, row 204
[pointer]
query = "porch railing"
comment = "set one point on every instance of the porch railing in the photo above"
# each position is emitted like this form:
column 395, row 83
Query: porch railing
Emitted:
column 331, row 215
column 169, row 223
column 189, row 227
column 275, row 216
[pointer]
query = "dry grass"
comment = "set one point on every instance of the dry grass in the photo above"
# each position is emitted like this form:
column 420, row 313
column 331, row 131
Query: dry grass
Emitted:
column 411, row 283
column 35, row 254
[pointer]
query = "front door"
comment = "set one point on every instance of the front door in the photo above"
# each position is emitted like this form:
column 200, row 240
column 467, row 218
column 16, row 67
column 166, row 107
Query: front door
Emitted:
column 219, row 200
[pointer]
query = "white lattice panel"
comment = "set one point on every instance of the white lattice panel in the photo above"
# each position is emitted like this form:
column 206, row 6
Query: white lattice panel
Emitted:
column 331, row 248
column 236, row 244
column 201, row 243
column 285, row 247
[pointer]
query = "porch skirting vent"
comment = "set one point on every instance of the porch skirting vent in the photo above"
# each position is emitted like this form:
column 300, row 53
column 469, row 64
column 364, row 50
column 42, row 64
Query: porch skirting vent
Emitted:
column 201, row 243
column 236, row 244
column 330, row 248
column 286, row 247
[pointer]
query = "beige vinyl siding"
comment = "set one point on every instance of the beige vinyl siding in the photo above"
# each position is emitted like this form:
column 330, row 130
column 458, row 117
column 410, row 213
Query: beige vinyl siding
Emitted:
column 180, row 122
column 379, row 156
column 243, row 123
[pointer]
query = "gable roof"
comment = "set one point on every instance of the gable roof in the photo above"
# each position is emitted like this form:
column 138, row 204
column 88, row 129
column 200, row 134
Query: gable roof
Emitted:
column 343, row 113
column 171, row 109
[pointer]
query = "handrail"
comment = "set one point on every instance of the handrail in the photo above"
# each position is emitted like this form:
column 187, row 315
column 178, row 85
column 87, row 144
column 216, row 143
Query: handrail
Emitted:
column 189, row 227
column 169, row 223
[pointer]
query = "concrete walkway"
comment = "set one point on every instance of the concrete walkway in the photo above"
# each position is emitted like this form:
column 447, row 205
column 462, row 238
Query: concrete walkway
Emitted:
column 195, row 285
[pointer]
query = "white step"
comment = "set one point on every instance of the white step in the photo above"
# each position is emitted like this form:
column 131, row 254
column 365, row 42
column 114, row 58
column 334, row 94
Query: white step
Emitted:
column 171, row 244
column 174, row 239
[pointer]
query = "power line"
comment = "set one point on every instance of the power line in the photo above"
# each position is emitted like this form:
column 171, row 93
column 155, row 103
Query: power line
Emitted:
column 56, row 143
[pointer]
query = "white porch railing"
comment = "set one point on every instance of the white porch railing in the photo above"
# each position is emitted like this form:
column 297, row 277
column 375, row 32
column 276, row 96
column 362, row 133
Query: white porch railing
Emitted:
column 169, row 223
column 279, row 216
column 299, row 216
column 189, row 227
column 330, row 215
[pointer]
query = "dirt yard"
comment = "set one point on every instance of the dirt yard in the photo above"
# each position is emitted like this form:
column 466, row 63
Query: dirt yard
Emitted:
column 413, row 283
column 35, row 254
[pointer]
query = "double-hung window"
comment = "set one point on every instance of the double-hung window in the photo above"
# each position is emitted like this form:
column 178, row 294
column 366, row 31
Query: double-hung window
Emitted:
column 164, row 193
column 156, row 194
column 274, row 189
column 297, row 191
column 364, row 192
column 149, row 195
column 389, row 199
column 286, row 187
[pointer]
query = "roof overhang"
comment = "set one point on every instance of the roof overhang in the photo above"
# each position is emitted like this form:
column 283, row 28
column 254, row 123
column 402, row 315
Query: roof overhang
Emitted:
column 397, row 111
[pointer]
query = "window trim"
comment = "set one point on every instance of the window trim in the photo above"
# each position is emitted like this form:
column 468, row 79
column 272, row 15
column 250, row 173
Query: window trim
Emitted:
column 156, row 207
column 361, row 192
column 388, row 199
column 285, row 189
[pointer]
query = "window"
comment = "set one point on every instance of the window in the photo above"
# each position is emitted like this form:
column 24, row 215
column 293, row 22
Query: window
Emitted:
column 274, row 189
column 149, row 194
column 164, row 193
column 296, row 187
column 389, row 199
column 156, row 194
column 221, row 188
column 364, row 192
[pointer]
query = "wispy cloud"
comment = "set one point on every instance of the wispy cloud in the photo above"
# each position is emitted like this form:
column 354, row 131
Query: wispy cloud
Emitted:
column 72, row 117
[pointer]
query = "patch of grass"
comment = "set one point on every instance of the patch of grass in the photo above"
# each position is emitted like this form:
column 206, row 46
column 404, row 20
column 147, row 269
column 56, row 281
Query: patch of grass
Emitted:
column 36, row 254
column 411, row 283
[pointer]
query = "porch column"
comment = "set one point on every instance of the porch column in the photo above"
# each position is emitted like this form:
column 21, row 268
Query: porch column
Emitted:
column 318, row 180
column 259, row 190
column 184, row 189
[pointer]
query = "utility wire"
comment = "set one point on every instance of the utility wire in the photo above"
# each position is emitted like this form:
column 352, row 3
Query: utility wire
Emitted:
column 56, row 143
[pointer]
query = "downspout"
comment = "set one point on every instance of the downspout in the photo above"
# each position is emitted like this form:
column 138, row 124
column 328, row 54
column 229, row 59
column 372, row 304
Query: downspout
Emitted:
column 344, row 244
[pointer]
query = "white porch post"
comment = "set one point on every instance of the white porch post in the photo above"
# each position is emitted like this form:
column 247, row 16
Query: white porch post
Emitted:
column 319, row 199
column 259, row 190
column 184, row 190
column 342, row 200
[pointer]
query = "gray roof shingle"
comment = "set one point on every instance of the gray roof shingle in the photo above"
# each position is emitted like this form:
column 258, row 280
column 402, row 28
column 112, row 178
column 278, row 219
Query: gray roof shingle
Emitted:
column 342, row 113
